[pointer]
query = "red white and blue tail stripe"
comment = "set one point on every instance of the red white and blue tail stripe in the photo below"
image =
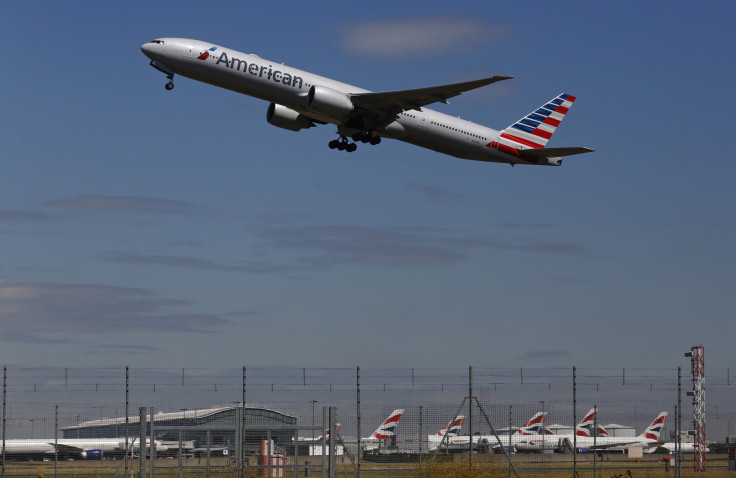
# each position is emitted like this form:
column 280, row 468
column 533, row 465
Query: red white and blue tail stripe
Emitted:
column 536, row 128
column 586, row 424
column 534, row 425
column 388, row 427
column 452, row 429
column 655, row 428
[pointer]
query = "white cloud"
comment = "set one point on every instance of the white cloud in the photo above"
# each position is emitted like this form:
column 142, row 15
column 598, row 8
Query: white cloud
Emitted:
column 421, row 37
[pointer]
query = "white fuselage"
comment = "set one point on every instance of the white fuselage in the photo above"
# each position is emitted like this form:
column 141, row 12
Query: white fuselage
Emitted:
column 283, row 85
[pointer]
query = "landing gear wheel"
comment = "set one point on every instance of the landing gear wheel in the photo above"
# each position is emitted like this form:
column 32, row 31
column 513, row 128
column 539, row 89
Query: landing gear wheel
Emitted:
column 375, row 140
column 169, row 86
column 351, row 147
column 333, row 144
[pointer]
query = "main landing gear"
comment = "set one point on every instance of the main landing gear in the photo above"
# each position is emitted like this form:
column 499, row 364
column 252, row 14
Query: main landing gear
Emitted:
column 343, row 144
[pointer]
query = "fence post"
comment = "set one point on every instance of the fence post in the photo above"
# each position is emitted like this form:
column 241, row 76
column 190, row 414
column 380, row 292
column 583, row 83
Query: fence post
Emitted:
column 142, row 442
column 360, row 440
column 333, row 470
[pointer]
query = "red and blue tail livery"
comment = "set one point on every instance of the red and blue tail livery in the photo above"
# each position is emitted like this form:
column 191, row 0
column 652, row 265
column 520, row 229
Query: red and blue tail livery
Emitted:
column 534, row 425
column 585, row 426
column 388, row 427
column 536, row 128
column 452, row 428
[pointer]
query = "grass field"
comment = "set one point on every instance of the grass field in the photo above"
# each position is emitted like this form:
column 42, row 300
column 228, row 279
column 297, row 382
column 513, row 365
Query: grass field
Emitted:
column 491, row 466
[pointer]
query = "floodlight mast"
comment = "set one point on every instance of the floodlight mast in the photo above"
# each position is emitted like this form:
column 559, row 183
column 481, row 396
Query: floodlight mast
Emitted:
column 697, row 366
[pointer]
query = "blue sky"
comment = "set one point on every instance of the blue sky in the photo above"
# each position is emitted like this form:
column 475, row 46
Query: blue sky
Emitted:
column 140, row 226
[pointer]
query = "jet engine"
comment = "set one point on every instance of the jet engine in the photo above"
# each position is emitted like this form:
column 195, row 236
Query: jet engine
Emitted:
column 329, row 103
column 92, row 454
column 287, row 118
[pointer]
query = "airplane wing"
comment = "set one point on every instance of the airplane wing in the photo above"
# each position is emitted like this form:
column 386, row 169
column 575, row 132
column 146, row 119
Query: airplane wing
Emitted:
column 383, row 107
column 67, row 449
column 415, row 99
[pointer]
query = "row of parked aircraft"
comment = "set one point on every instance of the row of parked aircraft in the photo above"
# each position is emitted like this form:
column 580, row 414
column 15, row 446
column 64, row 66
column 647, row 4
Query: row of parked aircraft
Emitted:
column 534, row 437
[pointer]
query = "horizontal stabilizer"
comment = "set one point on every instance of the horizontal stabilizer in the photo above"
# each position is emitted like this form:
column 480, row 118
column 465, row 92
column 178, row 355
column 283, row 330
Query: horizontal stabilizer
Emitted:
column 554, row 152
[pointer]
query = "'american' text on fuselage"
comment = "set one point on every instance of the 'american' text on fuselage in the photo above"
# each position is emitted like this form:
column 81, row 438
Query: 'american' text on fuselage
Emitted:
column 260, row 70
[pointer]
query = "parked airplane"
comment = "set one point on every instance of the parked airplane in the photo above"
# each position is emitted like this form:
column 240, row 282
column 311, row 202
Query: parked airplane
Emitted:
column 449, row 435
column 74, row 447
column 553, row 441
column 670, row 447
column 300, row 100
column 649, row 438
column 528, row 434
column 326, row 434
column 385, row 431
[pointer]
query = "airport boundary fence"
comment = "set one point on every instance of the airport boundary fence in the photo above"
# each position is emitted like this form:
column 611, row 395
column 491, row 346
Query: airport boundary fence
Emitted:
column 288, row 408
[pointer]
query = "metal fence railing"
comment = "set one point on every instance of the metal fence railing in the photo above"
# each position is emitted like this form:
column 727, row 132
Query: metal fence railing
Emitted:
column 92, row 421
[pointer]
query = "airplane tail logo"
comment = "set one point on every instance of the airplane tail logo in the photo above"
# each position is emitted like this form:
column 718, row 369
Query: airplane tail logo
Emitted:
column 586, row 424
column 388, row 427
column 655, row 428
column 204, row 55
column 536, row 128
column 452, row 429
column 534, row 425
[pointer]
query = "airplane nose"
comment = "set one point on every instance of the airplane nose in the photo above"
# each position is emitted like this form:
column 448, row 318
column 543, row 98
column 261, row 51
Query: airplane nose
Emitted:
column 148, row 49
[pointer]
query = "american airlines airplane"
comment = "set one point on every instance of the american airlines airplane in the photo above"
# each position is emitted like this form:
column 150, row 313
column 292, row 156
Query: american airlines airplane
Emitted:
column 299, row 100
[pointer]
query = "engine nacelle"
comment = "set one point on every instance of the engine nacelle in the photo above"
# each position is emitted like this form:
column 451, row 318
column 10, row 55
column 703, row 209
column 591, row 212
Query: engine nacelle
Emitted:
column 330, row 103
column 287, row 118
column 92, row 454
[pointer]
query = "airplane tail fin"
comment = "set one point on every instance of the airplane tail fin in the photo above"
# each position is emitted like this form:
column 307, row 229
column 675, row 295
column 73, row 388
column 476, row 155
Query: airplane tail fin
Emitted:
column 452, row 429
column 655, row 428
column 534, row 425
column 326, row 433
column 585, row 426
column 535, row 129
column 388, row 427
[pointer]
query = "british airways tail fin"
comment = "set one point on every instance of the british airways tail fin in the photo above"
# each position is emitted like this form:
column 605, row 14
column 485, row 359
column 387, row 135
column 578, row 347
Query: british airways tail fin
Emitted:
column 655, row 428
column 534, row 426
column 535, row 129
column 452, row 429
column 586, row 424
column 388, row 427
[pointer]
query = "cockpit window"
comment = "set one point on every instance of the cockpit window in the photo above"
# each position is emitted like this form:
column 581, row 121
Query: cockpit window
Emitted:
column 160, row 42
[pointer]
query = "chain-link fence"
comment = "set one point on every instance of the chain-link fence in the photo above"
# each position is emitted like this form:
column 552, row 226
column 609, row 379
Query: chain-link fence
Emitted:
column 92, row 422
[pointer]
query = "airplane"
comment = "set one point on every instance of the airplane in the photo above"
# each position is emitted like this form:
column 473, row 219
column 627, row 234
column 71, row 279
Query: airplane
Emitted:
column 526, row 434
column 300, row 100
column 647, row 439
column 326, row 434
column 670, row 447
column 554, row 441
column 385, row 431
column 74, row 447
column 449, row 435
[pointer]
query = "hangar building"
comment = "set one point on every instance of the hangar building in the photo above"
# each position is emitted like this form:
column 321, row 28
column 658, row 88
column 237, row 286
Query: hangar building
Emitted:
column 222, row 423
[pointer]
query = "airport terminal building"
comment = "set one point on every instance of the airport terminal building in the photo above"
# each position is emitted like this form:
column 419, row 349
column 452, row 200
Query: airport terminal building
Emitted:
column 223, row 425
